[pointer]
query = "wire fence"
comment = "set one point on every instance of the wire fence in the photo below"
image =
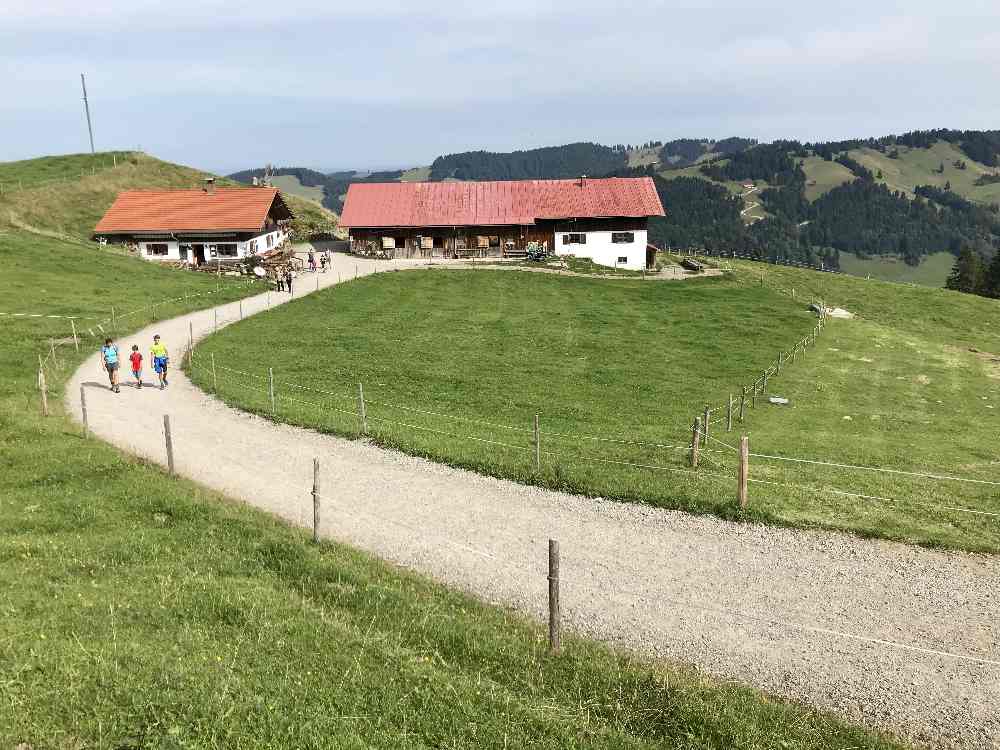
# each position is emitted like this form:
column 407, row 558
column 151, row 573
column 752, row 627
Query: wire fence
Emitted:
column 358, row 415
column 554, row 457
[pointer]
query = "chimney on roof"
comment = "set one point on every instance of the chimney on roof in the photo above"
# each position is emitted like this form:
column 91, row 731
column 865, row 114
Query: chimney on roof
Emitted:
column 583, row 180
column 210, row 185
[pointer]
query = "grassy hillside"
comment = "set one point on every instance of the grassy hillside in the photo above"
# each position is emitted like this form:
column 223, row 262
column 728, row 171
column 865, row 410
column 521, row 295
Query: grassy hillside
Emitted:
column 918, row 166
column 70, row 209
column 290, row 185
column 145, row 611
column 609, row 363
column 823, row 176
column 932, row 271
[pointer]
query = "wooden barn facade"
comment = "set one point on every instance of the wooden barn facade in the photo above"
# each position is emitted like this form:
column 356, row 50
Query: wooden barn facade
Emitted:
column 601, row 219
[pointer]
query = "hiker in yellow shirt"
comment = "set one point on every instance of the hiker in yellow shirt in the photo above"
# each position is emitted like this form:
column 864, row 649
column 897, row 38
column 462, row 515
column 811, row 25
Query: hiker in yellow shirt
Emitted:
column 158, row 353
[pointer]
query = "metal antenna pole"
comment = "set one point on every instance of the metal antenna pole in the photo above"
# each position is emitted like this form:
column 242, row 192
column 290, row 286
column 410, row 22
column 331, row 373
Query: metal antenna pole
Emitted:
column 86, row 107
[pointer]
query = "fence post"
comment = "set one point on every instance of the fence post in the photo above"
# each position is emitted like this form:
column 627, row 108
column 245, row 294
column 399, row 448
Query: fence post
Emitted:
column 315, row 494
column 743, row 403
column 704, row 426
column 215, row 379
column 744, row 472
column 83, row 410
column 362, row 414
column 753, row 396
column 554, row 620
column 538, row 447
column 729, row 414
column 43, row 388
column 76, row 339
column 169, row 443
column 270, row 390
column 695, row 441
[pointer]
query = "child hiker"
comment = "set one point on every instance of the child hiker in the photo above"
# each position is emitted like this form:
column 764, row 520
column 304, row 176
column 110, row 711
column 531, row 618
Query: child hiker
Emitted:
column 136, row 359
column 158, row 353
column 109, row 357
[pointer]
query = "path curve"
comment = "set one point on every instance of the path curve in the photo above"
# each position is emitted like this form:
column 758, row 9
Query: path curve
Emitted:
column 650, row 580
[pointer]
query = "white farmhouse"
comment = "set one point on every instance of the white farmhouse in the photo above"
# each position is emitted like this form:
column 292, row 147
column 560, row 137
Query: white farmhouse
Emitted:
column 194, row 227
column 601, row 219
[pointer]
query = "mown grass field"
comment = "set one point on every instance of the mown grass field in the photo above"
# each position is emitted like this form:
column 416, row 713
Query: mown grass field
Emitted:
column 450, row 359
column 139, row 610
column 933, row 269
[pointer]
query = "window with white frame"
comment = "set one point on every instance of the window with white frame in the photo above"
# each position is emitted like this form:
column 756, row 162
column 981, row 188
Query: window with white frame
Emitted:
column 156, row 248
column 622, row 238
column 575, row 238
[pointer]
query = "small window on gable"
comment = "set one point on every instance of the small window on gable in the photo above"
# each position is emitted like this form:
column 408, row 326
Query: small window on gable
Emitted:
column 623, row 259
column 156, row 248
column 622, row 238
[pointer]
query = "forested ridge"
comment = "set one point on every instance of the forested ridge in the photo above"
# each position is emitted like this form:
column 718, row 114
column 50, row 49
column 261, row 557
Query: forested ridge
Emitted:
column 862, row 216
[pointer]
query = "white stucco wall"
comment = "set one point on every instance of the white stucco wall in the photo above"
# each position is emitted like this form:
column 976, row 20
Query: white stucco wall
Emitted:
column 254, row 245
column 600, row 249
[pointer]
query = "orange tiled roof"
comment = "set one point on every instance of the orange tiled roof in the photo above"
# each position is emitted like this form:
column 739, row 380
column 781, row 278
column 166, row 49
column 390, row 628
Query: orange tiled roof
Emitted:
column 416, row 204
column 229, row 209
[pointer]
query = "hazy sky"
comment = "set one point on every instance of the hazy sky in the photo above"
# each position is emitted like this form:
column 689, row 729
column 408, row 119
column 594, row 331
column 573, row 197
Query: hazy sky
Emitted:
column 382, row 83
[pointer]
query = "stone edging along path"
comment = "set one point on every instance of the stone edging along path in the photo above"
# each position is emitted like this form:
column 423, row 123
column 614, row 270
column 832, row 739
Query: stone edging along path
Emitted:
column 802, row 614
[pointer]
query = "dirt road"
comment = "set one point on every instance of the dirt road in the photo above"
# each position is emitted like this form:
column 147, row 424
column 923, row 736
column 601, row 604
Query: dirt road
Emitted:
column 817, row 616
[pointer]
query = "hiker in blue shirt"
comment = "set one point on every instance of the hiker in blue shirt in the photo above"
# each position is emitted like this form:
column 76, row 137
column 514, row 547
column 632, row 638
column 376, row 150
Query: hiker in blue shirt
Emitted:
column 109, row 358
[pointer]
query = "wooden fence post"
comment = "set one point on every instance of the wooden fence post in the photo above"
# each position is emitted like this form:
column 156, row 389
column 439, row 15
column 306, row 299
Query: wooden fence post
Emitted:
column 538, row 447
column 215, row 379
column 743, row 472
column 83, row 410
column 270, row 390
column 704, row 426
column 729, row 414
column 362, row 414
column 554, row 620
column 315, row 494
column 695, row 441
column 743, row 403
column 76, row 340
column 169, row 443
column 753, row 396
column 43, row 388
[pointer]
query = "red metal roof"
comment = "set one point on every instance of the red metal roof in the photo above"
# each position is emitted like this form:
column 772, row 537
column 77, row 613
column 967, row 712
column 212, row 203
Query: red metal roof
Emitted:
column 230, row 209
column 442, row 204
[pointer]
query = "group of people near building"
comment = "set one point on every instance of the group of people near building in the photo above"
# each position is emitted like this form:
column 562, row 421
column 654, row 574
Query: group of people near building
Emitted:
column 111, row 361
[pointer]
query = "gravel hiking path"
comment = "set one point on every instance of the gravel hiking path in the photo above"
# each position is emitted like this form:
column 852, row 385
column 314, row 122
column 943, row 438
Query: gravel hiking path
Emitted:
column 771, row 607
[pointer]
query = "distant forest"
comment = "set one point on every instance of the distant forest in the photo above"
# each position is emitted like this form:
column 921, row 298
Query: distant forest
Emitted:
column 554, row 162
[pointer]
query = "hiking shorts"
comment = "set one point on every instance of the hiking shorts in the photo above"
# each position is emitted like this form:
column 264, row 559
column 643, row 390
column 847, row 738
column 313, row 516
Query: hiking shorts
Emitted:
column 159, row 364
column 110, row 366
